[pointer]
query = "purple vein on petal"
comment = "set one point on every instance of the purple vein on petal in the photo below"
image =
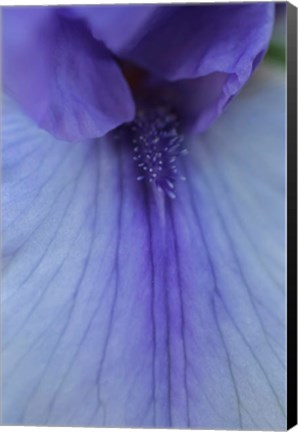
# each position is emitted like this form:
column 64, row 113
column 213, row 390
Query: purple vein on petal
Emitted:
column 234, row 256
column 116, row 272
column 72, row 306
column 47, row 247
column 221, row 300
column 182, row 313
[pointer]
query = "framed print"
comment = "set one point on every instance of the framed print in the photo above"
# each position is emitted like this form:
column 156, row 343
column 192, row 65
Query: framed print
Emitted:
column 149, row 215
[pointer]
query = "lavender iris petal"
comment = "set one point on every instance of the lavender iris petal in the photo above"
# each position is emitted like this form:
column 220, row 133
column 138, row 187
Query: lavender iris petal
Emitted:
column 119, row 314
column 214, row 48
column 116, row 25
column 65, row 80
column 58, row 66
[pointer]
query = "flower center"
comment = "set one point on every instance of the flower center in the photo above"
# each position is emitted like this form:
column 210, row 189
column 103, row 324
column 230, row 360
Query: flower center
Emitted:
column 157, row 144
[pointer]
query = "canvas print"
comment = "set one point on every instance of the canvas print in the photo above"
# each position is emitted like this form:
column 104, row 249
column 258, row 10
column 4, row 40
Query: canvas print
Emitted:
column 143, row 216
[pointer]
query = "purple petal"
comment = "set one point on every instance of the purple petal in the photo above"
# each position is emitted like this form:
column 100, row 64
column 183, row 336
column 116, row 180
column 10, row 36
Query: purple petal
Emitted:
column 219, row 44
column 118, row 314
column 191, row 42
column 198, row 101
column 116, row 25
column 65, row 80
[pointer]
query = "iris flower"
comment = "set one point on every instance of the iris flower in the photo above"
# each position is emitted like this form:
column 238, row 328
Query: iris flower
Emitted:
column 143, row 231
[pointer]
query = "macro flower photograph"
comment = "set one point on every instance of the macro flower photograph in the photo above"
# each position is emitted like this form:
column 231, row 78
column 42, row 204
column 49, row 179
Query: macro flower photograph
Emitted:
column 143, row 216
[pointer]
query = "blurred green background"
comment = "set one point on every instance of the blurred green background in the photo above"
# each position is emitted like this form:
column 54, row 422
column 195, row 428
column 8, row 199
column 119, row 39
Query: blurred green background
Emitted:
column 277, row 49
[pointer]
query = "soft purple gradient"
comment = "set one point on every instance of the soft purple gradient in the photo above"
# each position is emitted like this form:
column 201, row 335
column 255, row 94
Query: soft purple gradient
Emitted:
column 65, row 80
column 191, row 42
column 121, row 308
column 57, row 68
